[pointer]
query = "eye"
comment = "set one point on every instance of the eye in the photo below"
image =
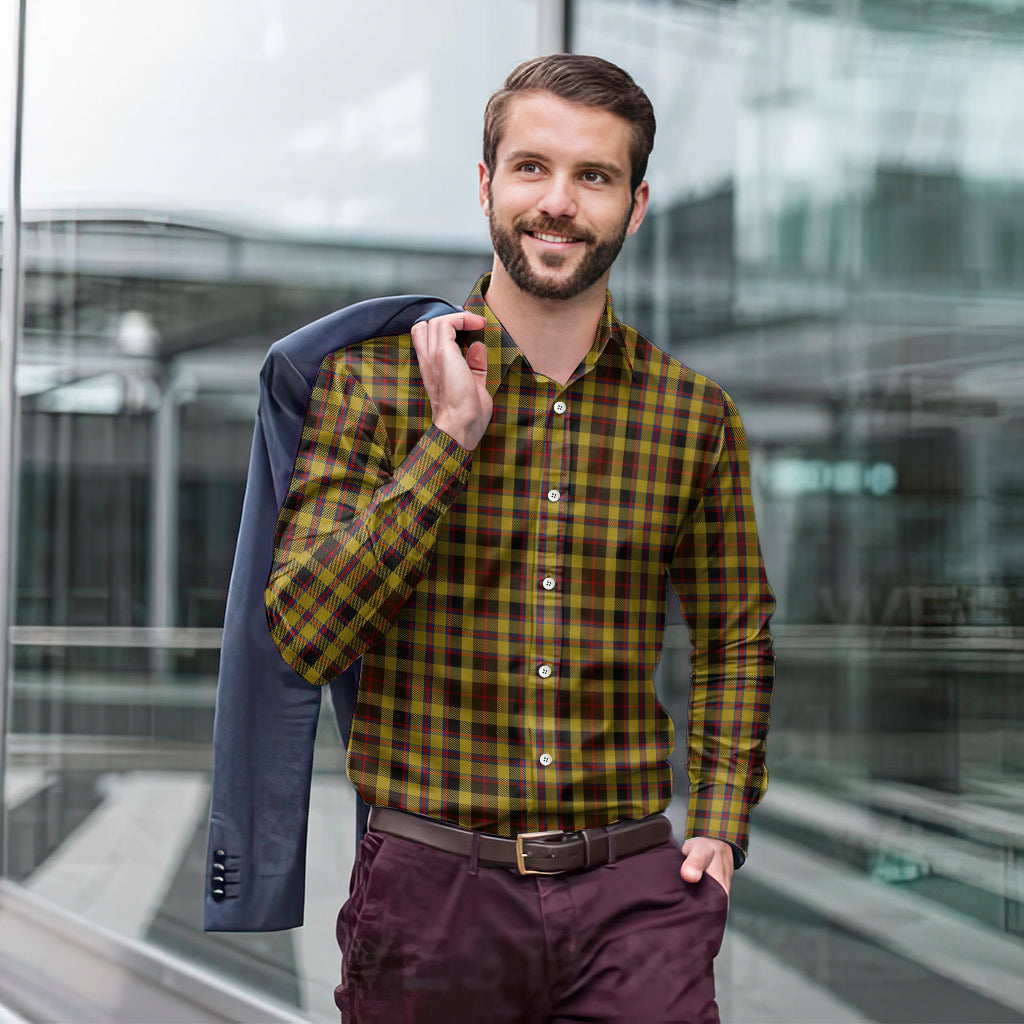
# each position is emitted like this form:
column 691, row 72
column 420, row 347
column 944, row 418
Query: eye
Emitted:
column 594, row 177
column 529, row 167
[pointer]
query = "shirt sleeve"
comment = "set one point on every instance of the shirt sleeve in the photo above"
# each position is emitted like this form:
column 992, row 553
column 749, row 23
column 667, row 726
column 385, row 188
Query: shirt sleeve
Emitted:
column 354, row 535
column 719, row 577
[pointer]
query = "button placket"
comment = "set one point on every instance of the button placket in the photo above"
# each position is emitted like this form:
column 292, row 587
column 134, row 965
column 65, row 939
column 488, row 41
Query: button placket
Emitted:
column 549, row 611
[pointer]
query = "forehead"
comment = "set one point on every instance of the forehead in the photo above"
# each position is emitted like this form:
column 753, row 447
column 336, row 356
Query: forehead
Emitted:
column 545, row 124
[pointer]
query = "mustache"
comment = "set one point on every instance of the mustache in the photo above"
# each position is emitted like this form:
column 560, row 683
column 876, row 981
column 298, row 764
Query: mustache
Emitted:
column 552, row 226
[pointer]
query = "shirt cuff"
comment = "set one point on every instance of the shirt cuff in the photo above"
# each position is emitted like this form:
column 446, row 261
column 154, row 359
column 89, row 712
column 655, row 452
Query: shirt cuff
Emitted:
column 434, row 466
column 739, row 855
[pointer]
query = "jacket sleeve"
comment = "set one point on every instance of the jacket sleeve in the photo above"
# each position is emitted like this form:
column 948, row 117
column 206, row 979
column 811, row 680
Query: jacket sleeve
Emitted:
column 355, row 534
column 727, row 602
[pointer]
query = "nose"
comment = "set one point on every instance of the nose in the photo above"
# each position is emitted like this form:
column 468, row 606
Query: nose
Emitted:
column 559, row 198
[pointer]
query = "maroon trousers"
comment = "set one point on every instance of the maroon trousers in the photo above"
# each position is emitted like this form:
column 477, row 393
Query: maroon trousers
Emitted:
column 431, row 938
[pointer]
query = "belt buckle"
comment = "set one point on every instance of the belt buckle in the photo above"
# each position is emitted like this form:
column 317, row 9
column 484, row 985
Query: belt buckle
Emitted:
column 521, row 853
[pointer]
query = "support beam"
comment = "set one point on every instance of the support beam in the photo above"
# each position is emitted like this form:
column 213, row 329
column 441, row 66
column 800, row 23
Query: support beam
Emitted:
column 554, row 24
column 163, row 549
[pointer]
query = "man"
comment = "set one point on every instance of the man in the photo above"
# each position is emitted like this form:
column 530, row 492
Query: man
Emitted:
column 488, row 513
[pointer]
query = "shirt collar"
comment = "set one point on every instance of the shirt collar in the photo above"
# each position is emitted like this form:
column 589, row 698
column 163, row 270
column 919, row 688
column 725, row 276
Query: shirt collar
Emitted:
column 495, row 337
column 498, row 340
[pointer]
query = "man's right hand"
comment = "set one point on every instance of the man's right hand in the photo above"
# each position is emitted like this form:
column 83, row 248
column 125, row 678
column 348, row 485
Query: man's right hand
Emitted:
column 455, row 385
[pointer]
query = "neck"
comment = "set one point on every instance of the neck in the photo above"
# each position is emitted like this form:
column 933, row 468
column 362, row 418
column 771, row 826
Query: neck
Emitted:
column 553, row 334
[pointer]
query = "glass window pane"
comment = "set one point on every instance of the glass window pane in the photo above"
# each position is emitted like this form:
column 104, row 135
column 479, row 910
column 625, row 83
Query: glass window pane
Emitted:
column 836, row 237
column 353, row 120
column 200, row 178
column 8, row 23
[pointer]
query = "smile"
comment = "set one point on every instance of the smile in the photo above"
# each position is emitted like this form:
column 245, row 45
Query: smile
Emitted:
column 560, row 239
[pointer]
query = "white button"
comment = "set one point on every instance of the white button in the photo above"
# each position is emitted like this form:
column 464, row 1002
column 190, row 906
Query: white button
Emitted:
column 546, row 759
column 554, row 495
column 548, row 584
column 560, row 407
column 544, row 671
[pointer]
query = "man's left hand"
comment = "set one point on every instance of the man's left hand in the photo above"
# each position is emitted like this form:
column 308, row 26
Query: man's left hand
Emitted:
column 711, row 855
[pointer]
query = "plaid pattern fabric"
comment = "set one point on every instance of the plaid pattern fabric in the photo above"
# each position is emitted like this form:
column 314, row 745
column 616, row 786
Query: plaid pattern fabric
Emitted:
column 509, row 603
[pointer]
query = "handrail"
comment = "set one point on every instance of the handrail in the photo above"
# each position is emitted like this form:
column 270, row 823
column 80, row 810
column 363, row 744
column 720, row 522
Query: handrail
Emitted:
column 166, row 637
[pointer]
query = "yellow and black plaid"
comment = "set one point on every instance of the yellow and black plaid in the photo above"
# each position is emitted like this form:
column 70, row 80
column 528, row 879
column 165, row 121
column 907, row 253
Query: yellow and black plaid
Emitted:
column 509, row 603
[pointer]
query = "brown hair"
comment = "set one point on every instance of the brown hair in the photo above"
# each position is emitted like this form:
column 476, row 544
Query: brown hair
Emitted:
column 591, row 81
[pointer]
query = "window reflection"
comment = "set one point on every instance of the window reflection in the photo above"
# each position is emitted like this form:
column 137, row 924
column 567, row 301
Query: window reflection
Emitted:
column 853, row 280
column 190, row 199
column 836, row 236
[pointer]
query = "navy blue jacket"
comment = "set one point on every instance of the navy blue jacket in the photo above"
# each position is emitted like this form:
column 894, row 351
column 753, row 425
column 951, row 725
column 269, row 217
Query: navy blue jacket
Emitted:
column 266, row 713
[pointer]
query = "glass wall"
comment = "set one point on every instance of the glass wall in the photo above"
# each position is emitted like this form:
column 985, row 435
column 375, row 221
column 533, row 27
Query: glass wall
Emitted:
column 836, row 236
column 199, row 180
column 8, row 23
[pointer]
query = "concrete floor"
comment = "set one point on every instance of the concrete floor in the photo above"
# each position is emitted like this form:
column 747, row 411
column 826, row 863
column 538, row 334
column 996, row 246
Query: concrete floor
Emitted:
column 811, row 940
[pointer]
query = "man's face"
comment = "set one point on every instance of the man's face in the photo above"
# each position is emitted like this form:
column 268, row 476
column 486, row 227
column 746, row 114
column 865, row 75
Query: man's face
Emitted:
column 559, row 203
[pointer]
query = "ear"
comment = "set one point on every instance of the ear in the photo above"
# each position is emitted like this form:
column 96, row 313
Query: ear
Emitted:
column 640, row 199
column 485, row 183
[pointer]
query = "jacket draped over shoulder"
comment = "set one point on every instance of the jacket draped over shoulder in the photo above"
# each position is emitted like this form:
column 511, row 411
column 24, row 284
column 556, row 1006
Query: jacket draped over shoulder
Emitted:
column 266, row 714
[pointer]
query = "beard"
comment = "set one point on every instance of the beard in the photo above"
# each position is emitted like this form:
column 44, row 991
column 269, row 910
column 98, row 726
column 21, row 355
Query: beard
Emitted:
column 599, row 255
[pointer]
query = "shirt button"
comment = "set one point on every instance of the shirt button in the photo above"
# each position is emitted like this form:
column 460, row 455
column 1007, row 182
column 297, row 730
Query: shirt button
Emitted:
column 544, row 671
column 560, row 407
column 545, row 759
column 548, row 584
column 554, row 495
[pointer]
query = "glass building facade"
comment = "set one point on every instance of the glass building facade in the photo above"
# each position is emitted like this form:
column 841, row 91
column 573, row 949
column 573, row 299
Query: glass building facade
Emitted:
column 836, row 235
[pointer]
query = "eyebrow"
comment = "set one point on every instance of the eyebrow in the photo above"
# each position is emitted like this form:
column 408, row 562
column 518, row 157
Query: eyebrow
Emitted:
column 611, row 170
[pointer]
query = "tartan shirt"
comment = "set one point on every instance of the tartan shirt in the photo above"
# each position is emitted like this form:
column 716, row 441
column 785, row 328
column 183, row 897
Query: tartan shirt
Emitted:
column 509, row 603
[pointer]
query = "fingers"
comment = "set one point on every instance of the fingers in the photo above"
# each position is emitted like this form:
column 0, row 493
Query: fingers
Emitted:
column 434, row 339
column 448, row 324
column 456, row 384
column 461, row 321
column 472, row 321
column 431, row 338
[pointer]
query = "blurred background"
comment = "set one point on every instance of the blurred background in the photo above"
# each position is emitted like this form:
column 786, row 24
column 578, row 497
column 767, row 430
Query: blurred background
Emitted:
column 836, row 236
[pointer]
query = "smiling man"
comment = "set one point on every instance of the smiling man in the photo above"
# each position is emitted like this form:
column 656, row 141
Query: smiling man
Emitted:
column 488, row 512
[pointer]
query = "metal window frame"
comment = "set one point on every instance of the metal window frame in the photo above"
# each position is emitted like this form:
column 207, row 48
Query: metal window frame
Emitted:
column 10, row 326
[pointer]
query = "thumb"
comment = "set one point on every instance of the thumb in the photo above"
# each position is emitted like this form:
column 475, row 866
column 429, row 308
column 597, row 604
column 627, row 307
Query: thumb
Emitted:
column 477, row 357
column 695, row 862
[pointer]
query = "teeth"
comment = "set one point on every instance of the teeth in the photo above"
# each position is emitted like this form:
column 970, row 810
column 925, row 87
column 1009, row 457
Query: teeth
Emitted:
column 551, row 238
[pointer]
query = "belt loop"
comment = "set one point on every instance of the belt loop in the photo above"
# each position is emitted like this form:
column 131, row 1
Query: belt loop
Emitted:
column 585, row 835
column 474, row 854
column 611, row 846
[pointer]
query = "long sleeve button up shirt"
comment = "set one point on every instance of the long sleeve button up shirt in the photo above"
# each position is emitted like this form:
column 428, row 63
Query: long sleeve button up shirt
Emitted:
column 509, row 603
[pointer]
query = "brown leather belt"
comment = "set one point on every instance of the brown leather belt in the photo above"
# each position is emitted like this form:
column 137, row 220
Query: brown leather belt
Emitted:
column 531, row 853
